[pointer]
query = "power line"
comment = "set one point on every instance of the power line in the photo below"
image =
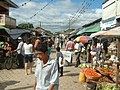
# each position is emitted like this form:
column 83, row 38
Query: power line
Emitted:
column 83, row 9
column 25, row 3
column 77, row 11
column 41, row 9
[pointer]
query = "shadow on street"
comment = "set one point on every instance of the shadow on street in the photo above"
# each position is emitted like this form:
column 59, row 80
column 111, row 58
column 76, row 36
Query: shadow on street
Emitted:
column 21, row 88
column 3, row 85
column 72, row 74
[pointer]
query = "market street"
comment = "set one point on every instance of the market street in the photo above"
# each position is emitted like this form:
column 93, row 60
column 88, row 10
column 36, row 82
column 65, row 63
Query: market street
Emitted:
column 15, row 79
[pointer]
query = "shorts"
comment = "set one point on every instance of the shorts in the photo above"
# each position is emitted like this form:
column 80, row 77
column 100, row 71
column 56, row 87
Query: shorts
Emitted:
column 28, row 58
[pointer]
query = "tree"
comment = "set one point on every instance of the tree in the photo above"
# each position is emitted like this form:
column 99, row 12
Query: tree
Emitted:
column 25, row 25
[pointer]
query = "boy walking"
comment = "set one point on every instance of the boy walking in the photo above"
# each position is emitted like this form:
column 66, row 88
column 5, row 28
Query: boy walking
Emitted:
column 59, row 56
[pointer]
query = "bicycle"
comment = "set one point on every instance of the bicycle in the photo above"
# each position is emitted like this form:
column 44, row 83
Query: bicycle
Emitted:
column 10, row 59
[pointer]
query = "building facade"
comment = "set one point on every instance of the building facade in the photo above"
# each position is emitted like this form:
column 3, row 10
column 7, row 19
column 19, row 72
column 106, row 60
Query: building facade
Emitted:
column 110, row 14
column 5, row 19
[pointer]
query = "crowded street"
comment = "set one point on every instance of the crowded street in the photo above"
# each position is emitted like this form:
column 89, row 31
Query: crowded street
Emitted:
column 15, row 79
column 59, row 44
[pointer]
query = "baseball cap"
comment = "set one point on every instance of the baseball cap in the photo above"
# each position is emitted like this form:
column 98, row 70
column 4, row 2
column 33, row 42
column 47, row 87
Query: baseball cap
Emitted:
column 19, row 38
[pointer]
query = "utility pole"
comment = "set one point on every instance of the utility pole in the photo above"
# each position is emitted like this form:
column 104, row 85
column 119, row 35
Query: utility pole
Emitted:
column 69, row 24
column 28, row 25
column 40, row 24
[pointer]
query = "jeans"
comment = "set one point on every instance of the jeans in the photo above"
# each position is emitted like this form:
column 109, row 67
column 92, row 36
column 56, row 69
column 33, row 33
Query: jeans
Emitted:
column 20, row 59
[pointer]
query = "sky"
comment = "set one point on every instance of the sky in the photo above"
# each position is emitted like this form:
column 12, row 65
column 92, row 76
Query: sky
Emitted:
column 57, row 15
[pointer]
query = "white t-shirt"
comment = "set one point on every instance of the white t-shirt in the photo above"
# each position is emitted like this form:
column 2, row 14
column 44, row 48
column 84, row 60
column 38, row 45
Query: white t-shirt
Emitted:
column 76, row 47
column 27, row 48
column 46, row 74
column 20, row 47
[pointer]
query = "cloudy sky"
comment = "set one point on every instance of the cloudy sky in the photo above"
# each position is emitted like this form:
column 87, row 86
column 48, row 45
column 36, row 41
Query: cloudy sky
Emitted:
column 57, row 15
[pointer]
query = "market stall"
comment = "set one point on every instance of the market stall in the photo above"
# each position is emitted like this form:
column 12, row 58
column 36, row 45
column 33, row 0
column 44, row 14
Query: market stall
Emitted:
column 97, row 77
column 115, row 33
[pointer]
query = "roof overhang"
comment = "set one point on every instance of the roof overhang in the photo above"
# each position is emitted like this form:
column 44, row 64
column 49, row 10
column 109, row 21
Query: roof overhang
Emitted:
column 8, row 3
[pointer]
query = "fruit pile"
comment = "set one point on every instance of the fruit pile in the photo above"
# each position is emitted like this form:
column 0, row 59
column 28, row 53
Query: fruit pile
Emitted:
column 106, row 71
column 90, row 72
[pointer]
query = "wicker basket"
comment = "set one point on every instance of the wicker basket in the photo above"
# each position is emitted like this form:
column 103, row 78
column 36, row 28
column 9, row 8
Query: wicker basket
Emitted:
column 93, row 77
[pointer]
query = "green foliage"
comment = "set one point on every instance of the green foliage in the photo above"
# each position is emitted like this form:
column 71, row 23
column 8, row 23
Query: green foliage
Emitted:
column 25, row 25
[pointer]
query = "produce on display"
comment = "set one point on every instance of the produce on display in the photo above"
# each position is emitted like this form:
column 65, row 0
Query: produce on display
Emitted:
column 106, row 86
column 91, row 74
column 106, row 71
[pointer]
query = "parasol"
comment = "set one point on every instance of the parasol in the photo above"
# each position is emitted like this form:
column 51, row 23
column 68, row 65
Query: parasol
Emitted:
column 83, row 39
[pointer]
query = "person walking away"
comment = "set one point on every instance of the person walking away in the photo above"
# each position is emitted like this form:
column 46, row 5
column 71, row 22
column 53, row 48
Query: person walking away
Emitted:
column 20, row 52
column 50, row 42
column 78, row 48
column 46, row 72
column 28, row 49
column 59, row 56
column 89, row 49
column 99, row 49
column 49, row 50
column 37, row 41
column 70, row 46
column 61, row 42
column 57, row 41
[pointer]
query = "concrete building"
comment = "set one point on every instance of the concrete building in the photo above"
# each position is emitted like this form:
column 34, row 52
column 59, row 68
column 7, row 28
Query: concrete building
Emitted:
column 110, row 14
column 5, row 19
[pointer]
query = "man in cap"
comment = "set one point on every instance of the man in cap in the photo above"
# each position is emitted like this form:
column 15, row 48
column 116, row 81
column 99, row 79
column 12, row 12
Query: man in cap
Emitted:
column 20, row 54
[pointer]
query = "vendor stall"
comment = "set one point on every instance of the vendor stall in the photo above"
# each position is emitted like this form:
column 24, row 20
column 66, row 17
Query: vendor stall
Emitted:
column 115, row 32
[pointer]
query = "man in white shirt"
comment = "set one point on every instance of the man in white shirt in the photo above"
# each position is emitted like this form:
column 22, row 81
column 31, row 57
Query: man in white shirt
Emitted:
column 46, row 72
column 78, row 47
column 20, row 53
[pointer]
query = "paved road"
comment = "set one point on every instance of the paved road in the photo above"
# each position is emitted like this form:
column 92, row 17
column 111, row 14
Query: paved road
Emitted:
column 15, row 79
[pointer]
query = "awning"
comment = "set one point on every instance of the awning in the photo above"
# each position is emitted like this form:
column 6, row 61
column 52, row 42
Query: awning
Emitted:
column 93, row 28
column 15, row 33
column 4, row 33
column 112, row 32
column 2, row 27
column 90, row 29
column 81, row 32
column 97, row 34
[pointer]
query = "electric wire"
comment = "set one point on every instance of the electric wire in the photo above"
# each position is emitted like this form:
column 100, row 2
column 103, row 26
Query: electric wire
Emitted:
column 41, row 9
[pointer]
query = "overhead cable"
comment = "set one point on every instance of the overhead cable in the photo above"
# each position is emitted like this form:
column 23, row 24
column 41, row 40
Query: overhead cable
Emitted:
column 41, row 9
column 25, row 3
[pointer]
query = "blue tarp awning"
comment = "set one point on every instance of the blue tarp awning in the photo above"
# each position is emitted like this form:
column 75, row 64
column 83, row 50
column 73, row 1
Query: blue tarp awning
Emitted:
column 15, row 33
column 4, row 33
column 81, row 32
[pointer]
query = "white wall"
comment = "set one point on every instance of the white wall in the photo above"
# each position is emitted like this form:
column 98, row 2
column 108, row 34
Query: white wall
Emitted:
column 109, row 9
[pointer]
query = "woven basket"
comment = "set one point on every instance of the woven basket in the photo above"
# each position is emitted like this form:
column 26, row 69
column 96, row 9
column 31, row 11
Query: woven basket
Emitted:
column 93, row 77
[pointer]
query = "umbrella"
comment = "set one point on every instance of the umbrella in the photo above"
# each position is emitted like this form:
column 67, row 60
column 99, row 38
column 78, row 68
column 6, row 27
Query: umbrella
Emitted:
column 83, row 39
column 72, row 35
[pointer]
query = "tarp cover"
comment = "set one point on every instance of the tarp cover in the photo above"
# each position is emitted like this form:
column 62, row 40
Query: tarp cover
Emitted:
column 15, row 33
